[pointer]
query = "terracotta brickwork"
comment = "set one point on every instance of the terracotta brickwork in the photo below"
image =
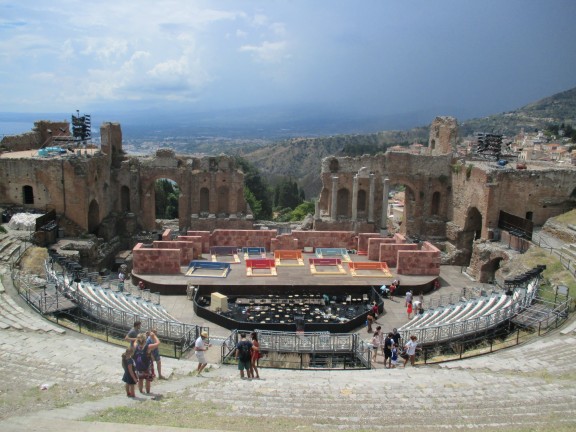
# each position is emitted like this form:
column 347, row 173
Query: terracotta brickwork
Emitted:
column 374, row 245
column 155, row 261
column 389, row 252
column 186, row 249
column 316, row 239
column 204, row 239
column 196, row 242
column 363, row 240
column 426, row 261
column 243, row 238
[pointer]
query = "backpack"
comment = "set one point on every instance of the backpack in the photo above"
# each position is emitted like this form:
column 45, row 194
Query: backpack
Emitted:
column 142, row 359
column 244, row 351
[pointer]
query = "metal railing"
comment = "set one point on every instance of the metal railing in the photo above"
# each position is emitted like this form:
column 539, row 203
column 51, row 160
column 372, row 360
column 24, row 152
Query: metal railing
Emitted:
column 172, row 330
column 294, row 350
column 441, row 332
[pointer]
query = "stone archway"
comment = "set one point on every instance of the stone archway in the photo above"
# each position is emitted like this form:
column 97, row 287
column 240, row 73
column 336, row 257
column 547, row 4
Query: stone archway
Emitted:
column 93, row 216
column 489, row 269
column 473, row 225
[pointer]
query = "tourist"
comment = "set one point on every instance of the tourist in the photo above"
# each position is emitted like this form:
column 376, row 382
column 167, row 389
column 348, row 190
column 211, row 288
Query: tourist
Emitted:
column 369, row 321
column 376, row 342
column 436, row 284
column 156, row 355
column 141, row 285
column 392, row 289
column 243, row 355
column 408, row 297
column 409, row 309
column 130, row 379
column 200, row 348
column 133, row 333
column 410, row 348
column 375, row 310
column 384, row 291
column 396, row 336
column 143, row 360
column 121, row 278
column 387, row 348
column 255, row 355
column 394, row 356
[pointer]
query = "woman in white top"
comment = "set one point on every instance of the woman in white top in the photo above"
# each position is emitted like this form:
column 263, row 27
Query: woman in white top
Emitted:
column 376, row 341
column 410, row 348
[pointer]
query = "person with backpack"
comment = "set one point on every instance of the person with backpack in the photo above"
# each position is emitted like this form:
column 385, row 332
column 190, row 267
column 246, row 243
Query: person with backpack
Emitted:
column 244, row 355
column 143, row 360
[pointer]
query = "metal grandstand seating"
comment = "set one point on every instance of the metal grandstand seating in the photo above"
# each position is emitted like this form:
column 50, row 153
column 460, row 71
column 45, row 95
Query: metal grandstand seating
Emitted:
column 446, row 323
column 118, row 309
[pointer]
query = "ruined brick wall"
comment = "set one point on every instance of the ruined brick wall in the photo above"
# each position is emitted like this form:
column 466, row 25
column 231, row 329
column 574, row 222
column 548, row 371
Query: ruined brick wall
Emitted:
column 42, row 134
column 155, row 261
column 373, row 247
column 443, row 136
column 363, row 240
column 423, row 262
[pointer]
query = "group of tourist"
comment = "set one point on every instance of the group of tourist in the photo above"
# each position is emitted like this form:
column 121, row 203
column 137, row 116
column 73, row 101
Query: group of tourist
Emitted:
column 389, row 345
column 139, row 358
column 247, row 353
column 414, row 306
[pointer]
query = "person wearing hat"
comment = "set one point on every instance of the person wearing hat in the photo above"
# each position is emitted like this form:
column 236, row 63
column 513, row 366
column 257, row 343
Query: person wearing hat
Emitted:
column 201, row 347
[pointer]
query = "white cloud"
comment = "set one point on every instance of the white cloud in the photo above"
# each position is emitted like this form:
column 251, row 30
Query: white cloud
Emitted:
column 267, row 52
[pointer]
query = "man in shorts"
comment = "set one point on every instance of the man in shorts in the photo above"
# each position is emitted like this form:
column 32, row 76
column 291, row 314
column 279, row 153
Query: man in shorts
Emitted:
column 243, row 355
column 155, row 354
column 200, row 347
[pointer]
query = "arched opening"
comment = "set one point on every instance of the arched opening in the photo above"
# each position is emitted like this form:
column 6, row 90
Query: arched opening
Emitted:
column 334, row 166
column 488, row 270
column 435, row 206
column 93, row 217
column 204, row 200
column 343, row 204
column 28, row 194
column 166, row 197
column 125, row 199
column 529, row 215
column 361, row 202
column 432, row 144
column 473, row 223
column 223, row 200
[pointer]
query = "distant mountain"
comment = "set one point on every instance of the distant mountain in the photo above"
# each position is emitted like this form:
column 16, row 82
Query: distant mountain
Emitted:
column 300, row 158
column 556, row 109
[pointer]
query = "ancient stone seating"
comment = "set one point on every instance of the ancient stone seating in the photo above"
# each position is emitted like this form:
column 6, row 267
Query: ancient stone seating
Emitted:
column 261, row 267
column 208, row 269
column 333, row 252
column 332, row 266
column 288, row 258
column 367, row 269
column 228, row 252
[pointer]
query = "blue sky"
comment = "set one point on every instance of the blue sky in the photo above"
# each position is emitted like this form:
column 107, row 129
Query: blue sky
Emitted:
column 460, row 57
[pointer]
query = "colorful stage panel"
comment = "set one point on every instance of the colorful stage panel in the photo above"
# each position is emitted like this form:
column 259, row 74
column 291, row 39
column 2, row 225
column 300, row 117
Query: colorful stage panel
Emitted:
column 288, row 258
column 369, row 269
column 258, row 252
column 225, row 254
column 326, row 266
column 208, row 269
column 333, row 252
column 261, row 267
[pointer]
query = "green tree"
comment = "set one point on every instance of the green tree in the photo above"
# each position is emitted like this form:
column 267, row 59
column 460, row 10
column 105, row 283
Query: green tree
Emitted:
column 261, row 194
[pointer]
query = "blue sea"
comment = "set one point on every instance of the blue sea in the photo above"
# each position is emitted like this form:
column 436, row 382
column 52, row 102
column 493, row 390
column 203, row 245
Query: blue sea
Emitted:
column 15, row 127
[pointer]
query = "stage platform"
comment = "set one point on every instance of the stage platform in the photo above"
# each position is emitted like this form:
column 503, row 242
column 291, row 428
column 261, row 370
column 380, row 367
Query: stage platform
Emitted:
column 287, row 277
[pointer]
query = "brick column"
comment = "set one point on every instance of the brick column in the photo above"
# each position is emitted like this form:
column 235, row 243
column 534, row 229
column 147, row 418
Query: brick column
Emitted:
column 385, row 192
column 371, row 199
column 334, row 206
column 355, row 198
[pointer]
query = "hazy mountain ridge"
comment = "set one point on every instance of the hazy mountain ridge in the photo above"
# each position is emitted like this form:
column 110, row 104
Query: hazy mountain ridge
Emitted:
column 556, row 109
